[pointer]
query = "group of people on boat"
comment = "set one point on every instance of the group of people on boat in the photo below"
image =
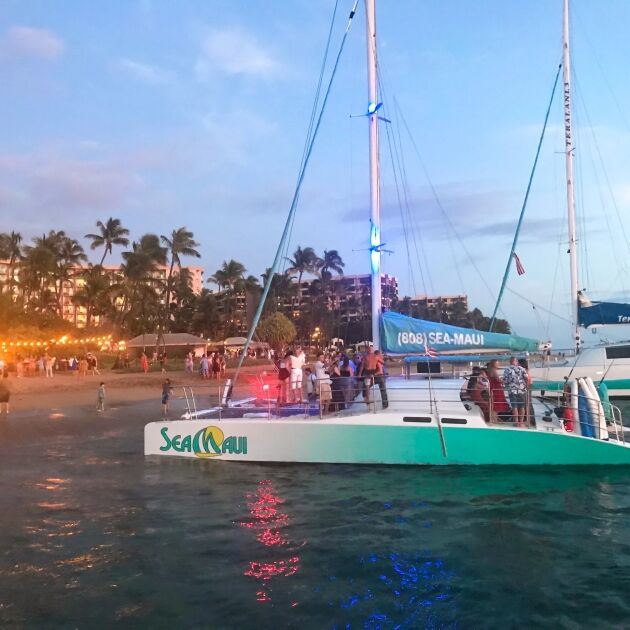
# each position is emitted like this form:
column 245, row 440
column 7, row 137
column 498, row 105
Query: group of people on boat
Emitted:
column 335, row 380
column 501, row 398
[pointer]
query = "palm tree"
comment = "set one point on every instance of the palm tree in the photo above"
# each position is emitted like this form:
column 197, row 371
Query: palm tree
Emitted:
column 93, row 292
column 11, row 250
column 111, row 233
column 181, row 243
column 228, row 275
column 304, row 261
column 138, row 274
column 331, row 261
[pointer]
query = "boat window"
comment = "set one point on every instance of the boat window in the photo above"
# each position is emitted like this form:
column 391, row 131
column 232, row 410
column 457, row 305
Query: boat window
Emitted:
column 618, row 352
column 454, row 421
column 417, row 419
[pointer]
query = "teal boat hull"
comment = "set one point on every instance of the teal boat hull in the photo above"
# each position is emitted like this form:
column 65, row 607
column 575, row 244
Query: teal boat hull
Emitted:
column 376, row 442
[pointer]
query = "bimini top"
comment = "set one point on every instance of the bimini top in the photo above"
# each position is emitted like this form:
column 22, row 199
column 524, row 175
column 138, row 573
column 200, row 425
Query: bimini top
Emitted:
column 406, row 335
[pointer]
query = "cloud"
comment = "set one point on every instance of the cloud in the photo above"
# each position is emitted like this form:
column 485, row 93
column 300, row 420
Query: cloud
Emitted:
column 234, row 52
column 153, row 75
column 39, row 185
column 25, row 42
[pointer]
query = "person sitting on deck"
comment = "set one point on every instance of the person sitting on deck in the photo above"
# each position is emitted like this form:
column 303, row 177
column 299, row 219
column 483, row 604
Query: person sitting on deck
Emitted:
column 467, row 389
column 480, row 394
column 500, row 408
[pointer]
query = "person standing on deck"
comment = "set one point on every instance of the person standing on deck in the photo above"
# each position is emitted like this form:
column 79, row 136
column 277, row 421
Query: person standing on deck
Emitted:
column 297, row 360
column 368, row 371
column 500, row 408
column 515, row 381
column 380, row 376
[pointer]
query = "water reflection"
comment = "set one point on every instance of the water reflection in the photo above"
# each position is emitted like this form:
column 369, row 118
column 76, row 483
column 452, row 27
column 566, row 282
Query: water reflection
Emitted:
column 269, row 521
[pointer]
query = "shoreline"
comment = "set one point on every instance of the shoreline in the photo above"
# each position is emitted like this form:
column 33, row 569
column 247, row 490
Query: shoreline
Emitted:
column 65, row 390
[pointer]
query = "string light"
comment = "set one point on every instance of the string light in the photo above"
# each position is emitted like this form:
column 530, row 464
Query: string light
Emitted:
column 102, row 340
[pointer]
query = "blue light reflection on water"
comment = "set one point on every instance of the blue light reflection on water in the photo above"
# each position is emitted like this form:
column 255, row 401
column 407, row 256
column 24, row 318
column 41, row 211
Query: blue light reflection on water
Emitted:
column 94, row 534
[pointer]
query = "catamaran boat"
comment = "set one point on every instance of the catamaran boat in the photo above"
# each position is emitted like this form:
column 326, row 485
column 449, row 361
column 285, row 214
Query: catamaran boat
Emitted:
column 432, row 424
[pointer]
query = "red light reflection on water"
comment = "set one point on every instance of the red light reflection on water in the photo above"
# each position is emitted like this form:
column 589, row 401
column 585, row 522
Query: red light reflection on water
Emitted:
column 268, row 520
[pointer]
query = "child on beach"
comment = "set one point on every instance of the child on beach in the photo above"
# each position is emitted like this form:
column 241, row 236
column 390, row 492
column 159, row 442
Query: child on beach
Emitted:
column 100, row 398
column 167, row 388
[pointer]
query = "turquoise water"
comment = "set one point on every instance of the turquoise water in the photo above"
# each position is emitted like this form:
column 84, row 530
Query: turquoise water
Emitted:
column 94, row 535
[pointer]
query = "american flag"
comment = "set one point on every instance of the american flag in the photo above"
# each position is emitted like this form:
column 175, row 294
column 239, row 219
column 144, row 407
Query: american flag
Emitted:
column 430, row 352
column 520, row 270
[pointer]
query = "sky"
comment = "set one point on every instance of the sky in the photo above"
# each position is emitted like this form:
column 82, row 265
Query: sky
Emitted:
column 194, row 113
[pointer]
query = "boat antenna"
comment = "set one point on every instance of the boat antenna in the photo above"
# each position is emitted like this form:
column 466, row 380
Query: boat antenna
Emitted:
column 375, row 190
column 569, row 149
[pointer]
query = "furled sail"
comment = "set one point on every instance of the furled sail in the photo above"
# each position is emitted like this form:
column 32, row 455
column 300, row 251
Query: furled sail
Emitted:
column 406, row 335
column 603, row 313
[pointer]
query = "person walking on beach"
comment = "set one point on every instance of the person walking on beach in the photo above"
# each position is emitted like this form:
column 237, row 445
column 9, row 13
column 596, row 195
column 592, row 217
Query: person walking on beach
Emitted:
column 144, row 363
column 100, row 397
column 167, row 389
column 49, row 362
column 204, row 368
column 5, row 392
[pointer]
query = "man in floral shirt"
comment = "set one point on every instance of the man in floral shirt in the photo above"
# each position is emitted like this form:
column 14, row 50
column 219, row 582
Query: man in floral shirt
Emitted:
column 515, row 382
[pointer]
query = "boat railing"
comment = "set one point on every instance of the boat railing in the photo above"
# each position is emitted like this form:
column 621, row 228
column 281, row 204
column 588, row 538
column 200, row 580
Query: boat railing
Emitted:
column 342, row 395
column 611, row 413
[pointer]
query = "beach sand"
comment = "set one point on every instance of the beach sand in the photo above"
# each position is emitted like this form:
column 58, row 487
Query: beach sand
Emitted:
column 66, row 390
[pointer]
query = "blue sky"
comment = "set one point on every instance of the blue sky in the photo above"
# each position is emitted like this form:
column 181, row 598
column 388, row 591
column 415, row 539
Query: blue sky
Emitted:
column 194, row 113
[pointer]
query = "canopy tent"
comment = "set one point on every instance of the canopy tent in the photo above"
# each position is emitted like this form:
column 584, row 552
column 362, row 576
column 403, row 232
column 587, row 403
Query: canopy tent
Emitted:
column 406, row 335
column 169, row 340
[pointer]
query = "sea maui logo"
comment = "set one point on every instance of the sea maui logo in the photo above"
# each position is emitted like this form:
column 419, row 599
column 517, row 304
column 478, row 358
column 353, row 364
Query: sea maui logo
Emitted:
column 207, row 442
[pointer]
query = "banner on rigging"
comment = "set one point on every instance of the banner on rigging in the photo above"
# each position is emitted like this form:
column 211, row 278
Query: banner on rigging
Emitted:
column 405, row 335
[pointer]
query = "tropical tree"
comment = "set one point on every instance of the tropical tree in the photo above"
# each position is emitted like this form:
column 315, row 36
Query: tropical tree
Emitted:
column 180, row 243
column 10, row 250
column 93, row 292
column 331, row 262
column 304, row 261
column 206, row 320
column 277, row 330
column 281, row 291
column 229, row 278
column 111, row 233
column 228, row 275
column 139, row 281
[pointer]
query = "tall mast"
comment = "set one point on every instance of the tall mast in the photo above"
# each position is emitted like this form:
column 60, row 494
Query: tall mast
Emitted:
column 375, row 189
column 568, row 150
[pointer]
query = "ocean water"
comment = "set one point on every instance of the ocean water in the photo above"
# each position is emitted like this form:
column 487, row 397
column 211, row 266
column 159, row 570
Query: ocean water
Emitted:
column 93, row 535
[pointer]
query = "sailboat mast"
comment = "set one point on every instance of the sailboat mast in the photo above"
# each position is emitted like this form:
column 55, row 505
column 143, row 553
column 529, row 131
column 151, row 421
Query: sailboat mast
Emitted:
column 569, row 150
column 375, row 189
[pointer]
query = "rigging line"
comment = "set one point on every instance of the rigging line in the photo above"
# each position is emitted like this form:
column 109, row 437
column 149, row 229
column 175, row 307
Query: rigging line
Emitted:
column 439, row 206
column 296, row 195
column 603, row 167
column 560, row 245
column 405, row 184
column 400, row 206
column 581, row 214
column 314, row 108
column 607, row 180
column 508, row 266
column 542, row 308
column 444, row 213
column 584, row 36
column 410, row 214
